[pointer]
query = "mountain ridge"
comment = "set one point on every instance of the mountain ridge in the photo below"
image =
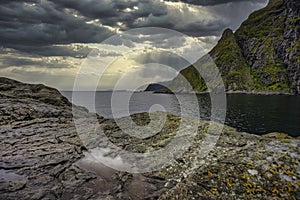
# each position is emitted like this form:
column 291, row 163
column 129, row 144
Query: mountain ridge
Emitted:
column 260, row 56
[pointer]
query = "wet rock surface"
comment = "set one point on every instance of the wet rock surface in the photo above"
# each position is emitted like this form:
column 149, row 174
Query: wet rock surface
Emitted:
column 43, row 156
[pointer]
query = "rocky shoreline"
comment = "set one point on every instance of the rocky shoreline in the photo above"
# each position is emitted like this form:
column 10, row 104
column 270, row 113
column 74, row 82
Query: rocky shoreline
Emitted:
column 42, row 156
column 232, row 92
column 165, row 90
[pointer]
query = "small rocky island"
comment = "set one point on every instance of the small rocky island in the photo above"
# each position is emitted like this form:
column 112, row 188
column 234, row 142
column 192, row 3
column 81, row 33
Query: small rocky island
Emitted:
column 42, row 157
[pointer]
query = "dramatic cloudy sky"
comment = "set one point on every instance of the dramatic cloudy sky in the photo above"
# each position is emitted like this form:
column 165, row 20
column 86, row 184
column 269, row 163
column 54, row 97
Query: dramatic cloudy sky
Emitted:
column 48, row 41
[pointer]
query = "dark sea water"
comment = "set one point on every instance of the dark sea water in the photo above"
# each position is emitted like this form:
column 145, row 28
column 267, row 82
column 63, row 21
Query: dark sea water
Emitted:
column 257, row 114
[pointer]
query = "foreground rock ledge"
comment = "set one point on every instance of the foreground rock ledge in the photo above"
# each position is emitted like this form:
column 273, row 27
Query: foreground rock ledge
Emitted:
column 42, row 157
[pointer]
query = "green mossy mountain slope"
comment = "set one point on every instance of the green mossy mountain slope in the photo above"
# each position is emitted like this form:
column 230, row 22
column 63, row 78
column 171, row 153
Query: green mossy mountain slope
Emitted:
column 262, row 55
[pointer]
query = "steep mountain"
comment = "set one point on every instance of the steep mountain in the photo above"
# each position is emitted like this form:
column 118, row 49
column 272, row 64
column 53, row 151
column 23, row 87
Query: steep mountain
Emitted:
column 262, row 55
column 229, row 57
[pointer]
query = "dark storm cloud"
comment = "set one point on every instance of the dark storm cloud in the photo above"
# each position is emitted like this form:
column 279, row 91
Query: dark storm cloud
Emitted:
column 36, row 25
column 112, row 11
column 164, row 58
column 44, row 23
column 21, row 62
column 203, row 29
column 90, row 8
column 27, row 26
column 74, row 50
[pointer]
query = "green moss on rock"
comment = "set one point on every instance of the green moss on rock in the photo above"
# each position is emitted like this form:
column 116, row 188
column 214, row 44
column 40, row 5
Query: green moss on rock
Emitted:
column 261, row 55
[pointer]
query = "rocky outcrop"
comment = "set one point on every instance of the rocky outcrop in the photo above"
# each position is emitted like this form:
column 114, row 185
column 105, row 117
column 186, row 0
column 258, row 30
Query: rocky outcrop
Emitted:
column 270, row 42
column 227, row 54
column 240, row 166
column 39, row 145
column 156, row 87
column 262, row 55
column 42, row 156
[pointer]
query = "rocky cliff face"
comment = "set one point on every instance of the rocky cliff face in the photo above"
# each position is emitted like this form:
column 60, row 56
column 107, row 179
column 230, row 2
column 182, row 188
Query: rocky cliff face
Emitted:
column 262, row 55
column 42, row 157
column 229, row 56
